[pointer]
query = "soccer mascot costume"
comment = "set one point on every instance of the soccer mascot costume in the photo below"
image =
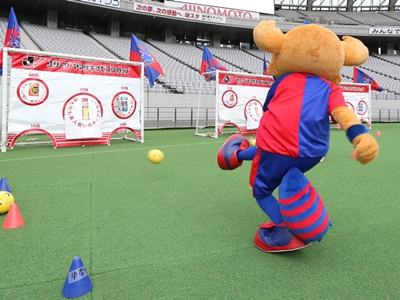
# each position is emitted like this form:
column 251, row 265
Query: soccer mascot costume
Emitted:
column 293, row 134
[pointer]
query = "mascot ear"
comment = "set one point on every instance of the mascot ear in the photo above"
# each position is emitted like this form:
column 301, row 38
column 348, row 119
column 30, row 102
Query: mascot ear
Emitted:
column 355, row 51
column 268, row 37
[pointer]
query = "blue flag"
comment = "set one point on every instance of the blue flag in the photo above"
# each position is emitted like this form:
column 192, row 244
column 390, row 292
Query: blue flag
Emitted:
column 265, row 70
column 12, row 38
column 360, row 77
column 139, row 53
column 209, row 64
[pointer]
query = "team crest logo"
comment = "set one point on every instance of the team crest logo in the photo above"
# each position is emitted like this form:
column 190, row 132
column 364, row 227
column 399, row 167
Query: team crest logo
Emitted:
column 227, row 79
column 32, row 61
column 146, row 57
column 212, row 66
column 367, row 79
column 14, row 41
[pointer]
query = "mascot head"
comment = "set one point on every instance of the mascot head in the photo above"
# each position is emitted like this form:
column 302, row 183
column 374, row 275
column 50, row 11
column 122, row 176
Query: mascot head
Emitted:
column 308, row 48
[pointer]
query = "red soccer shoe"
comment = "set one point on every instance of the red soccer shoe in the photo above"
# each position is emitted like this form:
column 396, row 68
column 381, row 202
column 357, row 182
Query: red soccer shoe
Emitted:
column 272, row 238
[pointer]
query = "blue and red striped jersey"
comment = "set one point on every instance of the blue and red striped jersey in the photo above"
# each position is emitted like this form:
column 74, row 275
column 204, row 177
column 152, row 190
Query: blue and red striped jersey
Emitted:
column 296, row 115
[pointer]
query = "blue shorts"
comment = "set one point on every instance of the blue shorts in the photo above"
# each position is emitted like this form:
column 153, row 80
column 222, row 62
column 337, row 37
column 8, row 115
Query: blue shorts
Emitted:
column 268, row 169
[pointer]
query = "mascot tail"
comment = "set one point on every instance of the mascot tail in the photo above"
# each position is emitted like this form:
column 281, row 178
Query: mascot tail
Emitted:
column 303, row 211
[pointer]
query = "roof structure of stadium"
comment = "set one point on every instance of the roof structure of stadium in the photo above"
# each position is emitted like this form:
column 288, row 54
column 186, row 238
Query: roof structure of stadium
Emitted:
column 339, row 5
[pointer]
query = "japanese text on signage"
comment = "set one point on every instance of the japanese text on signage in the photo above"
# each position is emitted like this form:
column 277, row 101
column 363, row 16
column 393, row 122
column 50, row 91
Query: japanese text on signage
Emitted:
column 384, row 31
column 177, row 13
column 112, row 3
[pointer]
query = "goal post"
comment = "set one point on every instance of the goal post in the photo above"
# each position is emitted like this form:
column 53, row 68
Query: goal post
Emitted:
column 239, row 99
column 358, row 99
column 74, row 100
column 201, row 118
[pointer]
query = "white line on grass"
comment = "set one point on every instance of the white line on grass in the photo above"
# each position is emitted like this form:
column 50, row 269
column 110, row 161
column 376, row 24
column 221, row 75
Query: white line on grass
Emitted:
column 109, row 151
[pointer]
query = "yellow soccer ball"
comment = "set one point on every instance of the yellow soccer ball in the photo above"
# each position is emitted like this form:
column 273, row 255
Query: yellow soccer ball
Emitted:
column 155, row 156
column 252, row 142
column 6, row 199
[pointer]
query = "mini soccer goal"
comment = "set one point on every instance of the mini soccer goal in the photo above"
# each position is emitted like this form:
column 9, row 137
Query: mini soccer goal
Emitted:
column 239, row 100
column 358, row 99
column 71, row 100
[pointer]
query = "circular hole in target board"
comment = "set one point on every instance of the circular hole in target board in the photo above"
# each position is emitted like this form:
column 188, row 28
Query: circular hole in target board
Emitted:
column 32, row 91
column 83, row 109
column 229, row 99
column 362, row 107
column 253, row 110
column 123, row 105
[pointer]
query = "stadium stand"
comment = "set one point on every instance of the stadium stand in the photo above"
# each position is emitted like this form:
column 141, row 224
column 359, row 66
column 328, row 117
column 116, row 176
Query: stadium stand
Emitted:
column 342, row 18
column 181, row 60
column 291, row 15
column 65, row 41
column 243, row 60
column 393, row 15
column 120, row 46
column 330, row 17
column 372, row 18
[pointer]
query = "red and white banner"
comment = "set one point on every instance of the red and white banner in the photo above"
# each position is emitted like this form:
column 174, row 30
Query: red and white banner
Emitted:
column 213, row 10
column 74, row 101
column 177, row 13
column 241, row 97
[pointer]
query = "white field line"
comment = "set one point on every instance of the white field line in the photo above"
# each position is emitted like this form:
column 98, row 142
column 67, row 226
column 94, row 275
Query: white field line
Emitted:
column 107, row 151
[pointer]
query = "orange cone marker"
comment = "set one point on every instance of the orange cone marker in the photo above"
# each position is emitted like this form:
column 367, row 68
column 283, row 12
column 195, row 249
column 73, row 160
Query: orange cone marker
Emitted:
column 14, row 218
column 378, row 133
column 353, row 155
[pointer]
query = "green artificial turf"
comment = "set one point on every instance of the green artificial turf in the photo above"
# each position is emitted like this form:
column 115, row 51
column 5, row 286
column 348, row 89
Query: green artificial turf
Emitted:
column 184, row 229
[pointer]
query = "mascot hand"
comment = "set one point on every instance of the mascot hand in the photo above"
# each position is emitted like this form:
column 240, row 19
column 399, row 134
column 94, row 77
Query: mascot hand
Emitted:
column 227, row 156
column 366, row 148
